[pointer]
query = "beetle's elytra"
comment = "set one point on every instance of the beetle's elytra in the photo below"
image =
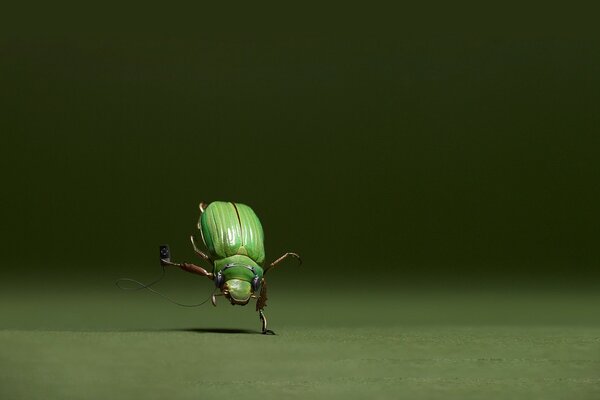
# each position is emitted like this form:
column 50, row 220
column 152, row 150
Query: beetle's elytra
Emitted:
column 233, row 236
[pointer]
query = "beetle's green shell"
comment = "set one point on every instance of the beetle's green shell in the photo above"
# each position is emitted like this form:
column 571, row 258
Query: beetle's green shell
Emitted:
column 230, row 229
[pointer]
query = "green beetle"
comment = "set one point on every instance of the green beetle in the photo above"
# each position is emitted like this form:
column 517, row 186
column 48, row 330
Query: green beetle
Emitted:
column 234, row 237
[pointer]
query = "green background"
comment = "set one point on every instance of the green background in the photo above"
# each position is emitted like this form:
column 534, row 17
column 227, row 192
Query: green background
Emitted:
column 437, row 172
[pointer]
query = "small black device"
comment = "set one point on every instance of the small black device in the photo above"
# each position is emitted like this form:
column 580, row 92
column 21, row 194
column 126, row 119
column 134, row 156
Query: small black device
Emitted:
column 165, row 254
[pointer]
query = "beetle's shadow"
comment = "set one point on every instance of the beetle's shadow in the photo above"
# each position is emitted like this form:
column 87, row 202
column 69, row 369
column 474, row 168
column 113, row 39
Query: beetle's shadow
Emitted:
column 216, row 330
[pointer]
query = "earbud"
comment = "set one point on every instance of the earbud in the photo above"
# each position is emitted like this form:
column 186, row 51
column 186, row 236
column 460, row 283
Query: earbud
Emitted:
column 219, row 279
column 255, row 283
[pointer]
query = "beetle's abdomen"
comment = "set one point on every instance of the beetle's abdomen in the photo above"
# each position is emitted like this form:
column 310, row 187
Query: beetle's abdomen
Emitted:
column 232, row 228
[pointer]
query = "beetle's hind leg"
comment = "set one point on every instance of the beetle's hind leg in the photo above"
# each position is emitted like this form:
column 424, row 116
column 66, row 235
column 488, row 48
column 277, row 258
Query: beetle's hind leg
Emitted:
column 202, row 206
column 263, row 320
column 198, row 251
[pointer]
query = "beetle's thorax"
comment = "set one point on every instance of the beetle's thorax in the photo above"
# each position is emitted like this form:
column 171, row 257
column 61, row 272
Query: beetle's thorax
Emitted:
column 235, row 275
column 237, row 259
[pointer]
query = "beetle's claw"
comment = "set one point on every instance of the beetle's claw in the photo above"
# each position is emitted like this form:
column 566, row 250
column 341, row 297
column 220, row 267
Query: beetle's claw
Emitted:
column 263, row 319
column 297, row 257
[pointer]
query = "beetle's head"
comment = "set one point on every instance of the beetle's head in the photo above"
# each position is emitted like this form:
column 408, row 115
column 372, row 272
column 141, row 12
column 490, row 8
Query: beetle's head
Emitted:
column 237, row 291
column 238, row 282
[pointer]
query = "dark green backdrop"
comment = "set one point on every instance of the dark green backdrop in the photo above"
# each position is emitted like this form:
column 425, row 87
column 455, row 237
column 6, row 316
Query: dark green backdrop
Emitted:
column 381, row 156
column 436, row 166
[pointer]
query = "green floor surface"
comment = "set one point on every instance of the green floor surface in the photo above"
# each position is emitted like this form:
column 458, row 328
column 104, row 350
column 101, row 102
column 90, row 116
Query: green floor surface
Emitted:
column 439, row 346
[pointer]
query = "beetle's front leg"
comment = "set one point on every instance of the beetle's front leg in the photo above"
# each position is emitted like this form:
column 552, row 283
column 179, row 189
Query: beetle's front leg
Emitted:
column 263, row 319
column 194, row 269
